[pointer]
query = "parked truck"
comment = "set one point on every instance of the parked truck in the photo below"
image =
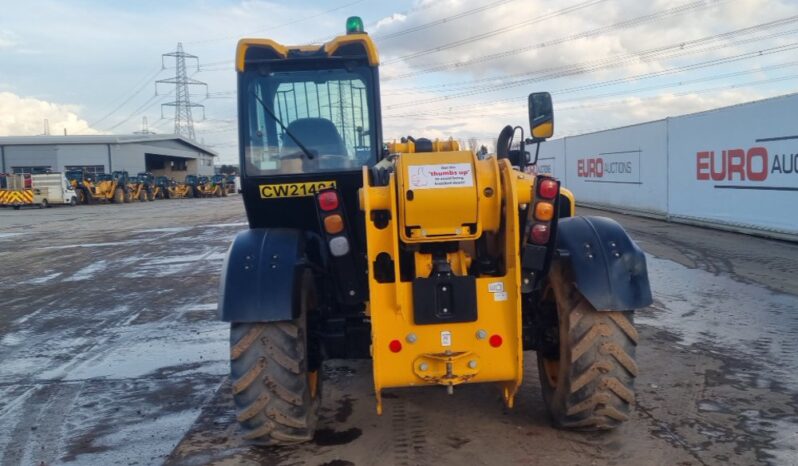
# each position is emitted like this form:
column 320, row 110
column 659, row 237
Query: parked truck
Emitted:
column 43, row 190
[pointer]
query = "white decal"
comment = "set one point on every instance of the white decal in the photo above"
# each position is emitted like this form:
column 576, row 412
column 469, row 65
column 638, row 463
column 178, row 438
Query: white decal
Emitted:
column 446, row 338
column 453, row 175
column 500, row 296
column 495, row 287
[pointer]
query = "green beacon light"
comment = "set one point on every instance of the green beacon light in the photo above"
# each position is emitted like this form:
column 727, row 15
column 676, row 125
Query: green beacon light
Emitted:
column 354, row 25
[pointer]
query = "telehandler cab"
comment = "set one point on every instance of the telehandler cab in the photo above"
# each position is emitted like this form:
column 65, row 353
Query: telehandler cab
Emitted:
column 164, row 187
column 191, row 187
column 441, row 267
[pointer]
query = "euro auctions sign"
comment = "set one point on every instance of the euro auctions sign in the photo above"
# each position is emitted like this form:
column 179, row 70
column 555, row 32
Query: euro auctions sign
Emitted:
column 737, row 165
column 754, row 167
column 610, row 167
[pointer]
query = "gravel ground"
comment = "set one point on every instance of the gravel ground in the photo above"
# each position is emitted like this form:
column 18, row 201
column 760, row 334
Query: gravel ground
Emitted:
column 110, row 354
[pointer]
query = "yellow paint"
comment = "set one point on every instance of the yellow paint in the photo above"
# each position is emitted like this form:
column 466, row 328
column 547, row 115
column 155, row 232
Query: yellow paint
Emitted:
column 328, row 48
column 273, row 191
column 543, row 130
column 469, row 359
column 571, row 200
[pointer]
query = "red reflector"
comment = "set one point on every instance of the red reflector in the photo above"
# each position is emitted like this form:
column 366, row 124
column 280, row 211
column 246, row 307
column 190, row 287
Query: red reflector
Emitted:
column 395, row 346
column 328, row 200
column 540, row 233
column 548, row 189
column 495, row 341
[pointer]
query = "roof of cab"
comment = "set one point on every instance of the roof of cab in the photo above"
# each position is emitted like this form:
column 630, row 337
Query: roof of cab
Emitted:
column 328, row 49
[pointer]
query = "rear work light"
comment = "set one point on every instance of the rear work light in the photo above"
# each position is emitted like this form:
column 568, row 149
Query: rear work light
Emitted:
column 328, row 200
column 540, row 233
column 333, row 224
column 339, row 246
column 548, row 189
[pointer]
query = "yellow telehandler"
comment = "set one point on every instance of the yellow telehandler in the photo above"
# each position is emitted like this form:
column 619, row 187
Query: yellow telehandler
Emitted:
column 439, row 266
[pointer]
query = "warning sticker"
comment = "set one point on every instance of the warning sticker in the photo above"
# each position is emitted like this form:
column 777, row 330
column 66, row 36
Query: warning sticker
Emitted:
column 446, row 338
column 495, row 287
column 453, row 175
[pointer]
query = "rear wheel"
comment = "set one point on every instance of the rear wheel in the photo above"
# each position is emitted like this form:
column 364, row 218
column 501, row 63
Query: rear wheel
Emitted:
column 143, row 195
column 119, row 196
column 150, row 196
column 275, row 391
column 588, row 382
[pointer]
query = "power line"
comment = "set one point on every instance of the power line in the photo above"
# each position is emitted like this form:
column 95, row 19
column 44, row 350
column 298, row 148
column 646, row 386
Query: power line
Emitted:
column 438, row 22
column 700, row 4
column 602, row 64
column 278, row 26
column 674, row 70
column 136, row 91
column 496, row 32
column 617, row 58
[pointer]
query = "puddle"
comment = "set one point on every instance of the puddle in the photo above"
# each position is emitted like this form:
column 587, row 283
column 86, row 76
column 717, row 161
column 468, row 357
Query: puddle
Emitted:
column 701, row 307
column 225, row 225
column 42, row 279
column 88, row 272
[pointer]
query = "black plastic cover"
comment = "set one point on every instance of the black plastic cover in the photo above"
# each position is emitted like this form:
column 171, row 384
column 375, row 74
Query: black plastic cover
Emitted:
column 608, row 267
column 444, row 299
column 261, row 276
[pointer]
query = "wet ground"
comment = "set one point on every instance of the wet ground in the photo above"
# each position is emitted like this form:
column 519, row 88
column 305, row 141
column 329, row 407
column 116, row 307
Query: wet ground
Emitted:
column 110, row 354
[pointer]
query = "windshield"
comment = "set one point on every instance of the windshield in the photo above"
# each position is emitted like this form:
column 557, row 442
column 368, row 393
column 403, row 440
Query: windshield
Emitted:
column 329, row 111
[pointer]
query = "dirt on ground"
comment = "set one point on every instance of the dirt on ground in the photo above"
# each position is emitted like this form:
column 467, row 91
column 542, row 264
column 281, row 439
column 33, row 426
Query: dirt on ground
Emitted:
column 110, row 353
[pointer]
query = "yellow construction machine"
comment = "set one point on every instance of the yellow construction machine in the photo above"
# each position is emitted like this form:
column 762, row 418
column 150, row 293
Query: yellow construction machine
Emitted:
column 440, row 266
column 111, row 188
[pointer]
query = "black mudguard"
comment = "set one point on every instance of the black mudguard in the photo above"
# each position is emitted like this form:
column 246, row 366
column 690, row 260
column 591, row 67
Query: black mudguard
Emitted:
column 608, row 267
column 261, row 276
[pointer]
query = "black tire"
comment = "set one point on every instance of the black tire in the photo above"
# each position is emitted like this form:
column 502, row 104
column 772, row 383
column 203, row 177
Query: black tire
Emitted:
column 275, row 394
column 589, row 384
column 82, row 197
column 73, row 201
column 119, row 196
column 143, row 196
column 45, row 204
column 150, row 196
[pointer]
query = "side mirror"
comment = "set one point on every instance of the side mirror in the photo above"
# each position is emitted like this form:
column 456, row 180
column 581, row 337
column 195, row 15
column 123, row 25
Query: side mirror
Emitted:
column 541, row 115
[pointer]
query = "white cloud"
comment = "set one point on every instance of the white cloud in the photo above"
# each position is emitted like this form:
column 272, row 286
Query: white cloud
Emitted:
column 455, row 102
column 8, row 39
column 24, row 116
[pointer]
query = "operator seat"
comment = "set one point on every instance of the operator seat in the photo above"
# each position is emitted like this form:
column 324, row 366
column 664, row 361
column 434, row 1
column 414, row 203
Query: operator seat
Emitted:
column 321, row 137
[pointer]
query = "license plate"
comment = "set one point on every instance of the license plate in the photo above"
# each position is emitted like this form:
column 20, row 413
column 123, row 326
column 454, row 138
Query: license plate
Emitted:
column 271, row 191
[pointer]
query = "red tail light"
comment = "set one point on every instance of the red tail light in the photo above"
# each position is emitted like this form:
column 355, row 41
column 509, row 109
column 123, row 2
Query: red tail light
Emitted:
column 328, row 200
column 540, row 233
column 395, row 346
column 495, row 341
column 548, row 189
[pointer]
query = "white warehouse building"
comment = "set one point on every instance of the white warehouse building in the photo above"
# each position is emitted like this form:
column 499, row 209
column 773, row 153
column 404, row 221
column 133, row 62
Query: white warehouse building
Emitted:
column 167, row 155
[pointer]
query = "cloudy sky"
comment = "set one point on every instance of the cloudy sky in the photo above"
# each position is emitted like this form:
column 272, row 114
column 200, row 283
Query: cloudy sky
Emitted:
column 449, row 67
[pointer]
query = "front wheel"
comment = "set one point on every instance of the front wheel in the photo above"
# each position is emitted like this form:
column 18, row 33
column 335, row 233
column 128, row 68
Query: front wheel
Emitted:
column 275, row 392
column 588, row 382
